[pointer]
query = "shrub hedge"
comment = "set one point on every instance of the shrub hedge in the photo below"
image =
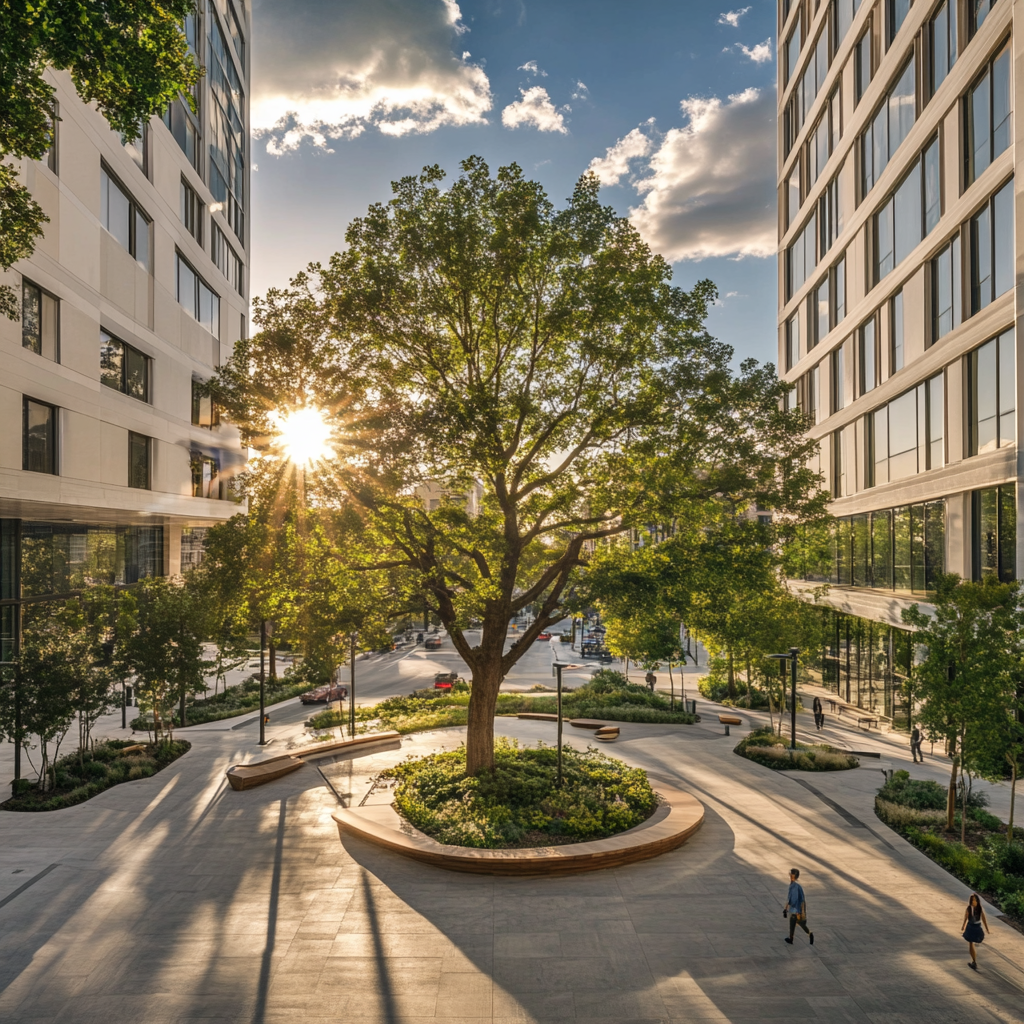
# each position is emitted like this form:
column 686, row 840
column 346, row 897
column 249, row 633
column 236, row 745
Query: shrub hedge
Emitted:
column 236, row 700
column 517, row 803
column 77, row 777
column 771, row 750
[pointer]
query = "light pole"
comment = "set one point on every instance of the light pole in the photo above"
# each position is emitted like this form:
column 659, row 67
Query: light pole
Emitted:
column 791, row 657
column 263, row 682
column 558, row 666
column 353, row 639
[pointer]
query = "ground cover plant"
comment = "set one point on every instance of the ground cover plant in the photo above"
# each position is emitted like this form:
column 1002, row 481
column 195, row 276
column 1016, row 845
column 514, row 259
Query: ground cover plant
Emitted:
column 236, row 700
column 516, row 803
column 610, row 696
column 769, row 749
column 986, row 861
column 79, row 776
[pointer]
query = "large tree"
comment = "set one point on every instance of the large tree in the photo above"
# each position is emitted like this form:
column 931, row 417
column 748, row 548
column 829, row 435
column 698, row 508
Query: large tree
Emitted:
column 129, row 57
column 538, row 359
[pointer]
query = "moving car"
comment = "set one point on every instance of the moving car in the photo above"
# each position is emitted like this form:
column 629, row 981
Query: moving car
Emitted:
column 433, row 643
column 543, row 636
column 325, row 694
column 444, row 680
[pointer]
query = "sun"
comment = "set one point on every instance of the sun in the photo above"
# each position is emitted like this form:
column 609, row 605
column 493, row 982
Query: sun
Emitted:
column 304, row 435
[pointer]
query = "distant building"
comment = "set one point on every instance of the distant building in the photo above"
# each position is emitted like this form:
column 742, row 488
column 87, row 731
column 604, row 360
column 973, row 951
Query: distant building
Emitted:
column 432, row 493
column 113, row 465
column 898, row 262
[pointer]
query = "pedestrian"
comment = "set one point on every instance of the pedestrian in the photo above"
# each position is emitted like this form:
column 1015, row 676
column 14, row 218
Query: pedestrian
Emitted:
column 915, row 745
column 819, row 714
column 651, row 680
column 796, row 907
column 974, row 918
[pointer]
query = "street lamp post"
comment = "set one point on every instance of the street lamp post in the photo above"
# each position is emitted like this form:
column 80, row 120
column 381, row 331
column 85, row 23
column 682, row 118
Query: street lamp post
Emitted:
column 558, row 666
column 263, row 682
column 792, row 658
column 353, row 638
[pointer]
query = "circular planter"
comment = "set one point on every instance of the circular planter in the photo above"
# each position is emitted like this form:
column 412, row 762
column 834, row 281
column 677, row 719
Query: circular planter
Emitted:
column 677, row 817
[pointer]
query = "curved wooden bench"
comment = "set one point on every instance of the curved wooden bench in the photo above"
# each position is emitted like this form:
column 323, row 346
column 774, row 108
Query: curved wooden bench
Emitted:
column 728, row 720
column 607, row 734
column 246, row 776
column 586, row 723
column 674, row 821
column 538, row 716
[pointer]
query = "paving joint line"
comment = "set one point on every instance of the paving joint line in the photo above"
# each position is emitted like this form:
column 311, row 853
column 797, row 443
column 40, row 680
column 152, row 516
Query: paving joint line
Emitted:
column 32, row 881
column 843, row 812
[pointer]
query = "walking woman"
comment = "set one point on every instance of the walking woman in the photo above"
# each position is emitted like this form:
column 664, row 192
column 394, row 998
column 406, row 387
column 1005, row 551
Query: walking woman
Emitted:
column 819, row 713
column 974, row 918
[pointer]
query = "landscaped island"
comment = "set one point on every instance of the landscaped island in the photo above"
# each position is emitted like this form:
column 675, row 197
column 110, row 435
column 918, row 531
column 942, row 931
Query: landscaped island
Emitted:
column 768, row 748
column 517, row 803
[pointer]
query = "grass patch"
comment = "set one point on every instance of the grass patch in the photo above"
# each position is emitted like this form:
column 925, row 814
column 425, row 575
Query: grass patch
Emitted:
column 771, row 750
column 517, row 804
column 915, row 808
column 76, row 778
column 236, row 700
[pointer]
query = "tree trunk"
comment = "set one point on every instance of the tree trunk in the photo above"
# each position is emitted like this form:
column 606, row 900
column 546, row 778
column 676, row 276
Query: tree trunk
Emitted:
column 1013, row 794
column 483, row 703
column 951, row 798
column 731, row 679
column 750, row 684
column 671, row 685
column 181, row 708
column 272, row 645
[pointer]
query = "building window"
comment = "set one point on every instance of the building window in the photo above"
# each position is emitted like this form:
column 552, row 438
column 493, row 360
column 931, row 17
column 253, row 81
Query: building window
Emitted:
column 204, row 410
column 978, row 11
column 896, row 12
column 888, row 128
column 841, row 481
column 40, row 321
column 867, row 361
column 191, row 211
column 793, row 194
column 896, row 329
column 138, row 461
column 991, row 395
column 50, row 156
column 138, row 148
column 792, row 53
column 821, row 313
column 838, row 391
column 792, row 331
column 987, row 108
column 845, row 12
column 237, row 36
column 802, row 257
column 907, row 435
column 226, row 260
column 227, row 132
column 120, row 215
column 204, row 476
column 39, row 437
column 183, row 124
column 123, row 368
column 910, row 213
column 994, row 534
column 839, row 291
column 830, row 216
column 862, row 65
column 992, row 268
column 945, row 273
column 197, row 298
column 193, row 546
column 942, row 39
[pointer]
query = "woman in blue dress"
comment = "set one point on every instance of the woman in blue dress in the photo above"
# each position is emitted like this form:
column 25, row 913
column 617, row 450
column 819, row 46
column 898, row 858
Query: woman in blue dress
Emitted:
column 974, row 918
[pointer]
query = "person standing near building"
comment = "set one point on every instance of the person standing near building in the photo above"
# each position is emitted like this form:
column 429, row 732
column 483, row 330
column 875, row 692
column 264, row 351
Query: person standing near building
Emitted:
column 819, row 714
column 796, row 907
column 915, row 745
column 974, row 918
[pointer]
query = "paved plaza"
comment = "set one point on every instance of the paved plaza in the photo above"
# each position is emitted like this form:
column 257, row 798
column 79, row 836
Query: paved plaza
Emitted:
column 176, row 899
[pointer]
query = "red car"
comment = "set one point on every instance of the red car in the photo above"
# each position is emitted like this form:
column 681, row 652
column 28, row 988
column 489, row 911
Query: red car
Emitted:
column 543, row 636
column 325, row 694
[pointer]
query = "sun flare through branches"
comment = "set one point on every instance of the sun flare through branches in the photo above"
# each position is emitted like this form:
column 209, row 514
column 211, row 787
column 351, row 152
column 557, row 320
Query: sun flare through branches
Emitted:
column 303, row 435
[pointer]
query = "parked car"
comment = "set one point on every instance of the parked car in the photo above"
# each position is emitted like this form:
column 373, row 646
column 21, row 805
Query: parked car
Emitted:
column 325, row 694
column 444, row 680
column 543, row 636
column 433, row 643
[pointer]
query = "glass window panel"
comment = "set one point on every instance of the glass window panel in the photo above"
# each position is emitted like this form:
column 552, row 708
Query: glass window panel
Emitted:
column 983, row 396
column 141, row 252
column 936, row 423
column 978, row 132
column 940, row 46
column 792, row 203
column 840, row 290
column 917, row 547
column 39, row 448
column 903, row 436
column 879, row 143
column 867, row 356
column 792, row 341
column 31, row 317
column 880, row 439
column 1002, row 220
column 901, row 108
column 942, row 293
column 1007, row 389
column 187, row 287
column 838, row 384
column 820, row 61
column 907, row 215
column 884, row 241
column 111, row 362
column 898, row 11
column 979, row 10
column 792, row 52
column 115, row 210
column 981, row 260
column 862, row 77
column 138, row 461
column 135, row 373
column 896, row 325
column 934, row 542
column 901, row 547
column 861, row 550
column 932, row 188
column 881, row 549
column 986, row 533
column 1001, row 103
column 835, row 119
column 823, row 309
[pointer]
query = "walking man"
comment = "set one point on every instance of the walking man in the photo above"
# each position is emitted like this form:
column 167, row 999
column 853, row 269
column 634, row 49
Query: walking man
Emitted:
column 796, row 907
column 819, row 714
column 915, row 745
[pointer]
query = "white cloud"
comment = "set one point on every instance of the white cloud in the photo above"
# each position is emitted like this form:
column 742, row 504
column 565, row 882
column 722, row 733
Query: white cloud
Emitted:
column 732, row 17
column 531, row 67
column 760, row 53
column 535, row 108
column 614, row 165
column 330, row 69
column 709, row 189
column 581, row 92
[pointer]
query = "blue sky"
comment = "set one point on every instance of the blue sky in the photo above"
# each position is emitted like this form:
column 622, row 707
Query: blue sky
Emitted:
column 671, row 103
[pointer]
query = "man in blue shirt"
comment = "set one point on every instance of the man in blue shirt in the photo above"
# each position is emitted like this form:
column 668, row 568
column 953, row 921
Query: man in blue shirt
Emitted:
column 796, row 907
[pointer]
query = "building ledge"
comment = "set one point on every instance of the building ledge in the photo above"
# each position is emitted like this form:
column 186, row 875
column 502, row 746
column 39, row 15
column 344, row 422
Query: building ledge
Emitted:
column 882, row 606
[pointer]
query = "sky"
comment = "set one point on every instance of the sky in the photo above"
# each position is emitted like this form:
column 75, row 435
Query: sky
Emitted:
column 670, row 102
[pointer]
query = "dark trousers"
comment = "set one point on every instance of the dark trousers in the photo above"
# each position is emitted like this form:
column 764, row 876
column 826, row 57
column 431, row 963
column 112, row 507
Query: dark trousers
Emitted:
column 819, row 719
column 915, row 751
column 794, row 920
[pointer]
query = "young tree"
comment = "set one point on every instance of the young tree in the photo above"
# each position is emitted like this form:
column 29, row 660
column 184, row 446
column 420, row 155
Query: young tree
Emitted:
column 972, row 663
column 479, row 338
column 129, row 57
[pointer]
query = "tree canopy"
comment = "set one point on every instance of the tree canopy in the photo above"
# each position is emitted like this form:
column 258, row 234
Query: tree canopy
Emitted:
column 129, row 57
column 538, row 367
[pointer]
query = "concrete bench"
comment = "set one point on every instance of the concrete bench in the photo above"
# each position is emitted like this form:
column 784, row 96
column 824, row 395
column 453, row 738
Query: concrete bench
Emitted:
column 728, row 720
column 537, row 716
column 586, row 723
column 607, row 734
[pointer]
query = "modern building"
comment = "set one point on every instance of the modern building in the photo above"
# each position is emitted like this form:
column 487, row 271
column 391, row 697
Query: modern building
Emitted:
column 113, row 464
column 898, row 271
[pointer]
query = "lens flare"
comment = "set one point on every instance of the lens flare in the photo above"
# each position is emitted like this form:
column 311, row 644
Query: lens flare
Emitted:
column 303, row 434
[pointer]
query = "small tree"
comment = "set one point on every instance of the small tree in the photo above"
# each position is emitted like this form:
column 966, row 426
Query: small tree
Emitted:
column 971, row 664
